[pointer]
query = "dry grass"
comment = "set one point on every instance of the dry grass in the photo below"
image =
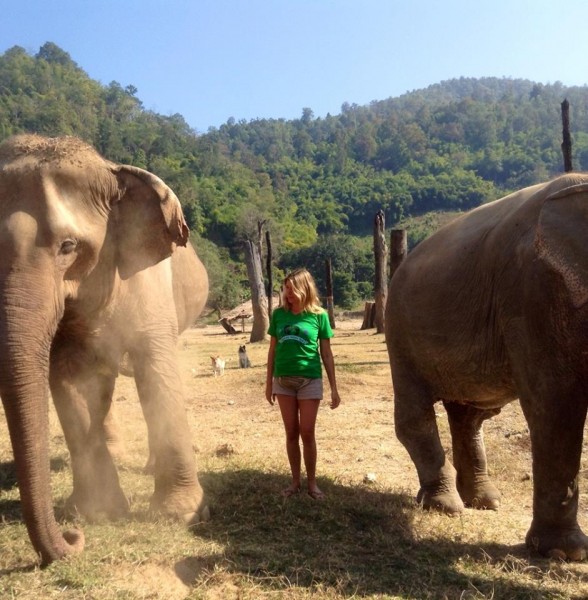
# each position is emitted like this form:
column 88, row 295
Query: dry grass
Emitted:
column 367, row 540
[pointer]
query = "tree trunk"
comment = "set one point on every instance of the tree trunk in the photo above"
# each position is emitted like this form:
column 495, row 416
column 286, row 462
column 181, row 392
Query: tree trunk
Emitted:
column 330, row 303
column 369, row 312
column 380, row 256
column 398, row 249
column 270, row 279
column 566, row 145
column 258, row 297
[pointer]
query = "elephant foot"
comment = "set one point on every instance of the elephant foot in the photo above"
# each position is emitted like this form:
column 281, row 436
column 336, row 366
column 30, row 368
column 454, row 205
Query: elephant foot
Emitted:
column 563, row 544
column 96, row 507
column 482, row 496
column 447, row 502
column 187, row 506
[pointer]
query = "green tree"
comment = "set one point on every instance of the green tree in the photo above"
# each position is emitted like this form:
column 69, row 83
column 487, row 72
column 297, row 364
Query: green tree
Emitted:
column 352, row 266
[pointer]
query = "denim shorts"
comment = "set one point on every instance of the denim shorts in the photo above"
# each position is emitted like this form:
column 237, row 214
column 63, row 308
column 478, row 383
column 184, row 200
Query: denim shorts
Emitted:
column 298, row 387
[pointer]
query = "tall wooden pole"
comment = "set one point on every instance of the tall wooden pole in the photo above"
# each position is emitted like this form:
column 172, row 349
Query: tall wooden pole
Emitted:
column 258, row 296
column 270, row 278
column 398, row 249
column 566, row 145
column 329, row 282
column 380, row 256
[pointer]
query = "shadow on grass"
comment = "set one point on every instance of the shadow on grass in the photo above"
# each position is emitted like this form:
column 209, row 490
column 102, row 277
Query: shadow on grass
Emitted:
column 8, row 472
column 10, row 510
column 357, row 542
column 7, row 475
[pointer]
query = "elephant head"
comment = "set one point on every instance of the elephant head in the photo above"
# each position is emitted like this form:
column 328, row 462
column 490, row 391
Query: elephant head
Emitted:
column 560, row 243
column 70, row 221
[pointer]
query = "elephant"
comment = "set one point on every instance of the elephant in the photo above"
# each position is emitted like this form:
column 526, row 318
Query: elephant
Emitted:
column 491, row 308
column 95, row 262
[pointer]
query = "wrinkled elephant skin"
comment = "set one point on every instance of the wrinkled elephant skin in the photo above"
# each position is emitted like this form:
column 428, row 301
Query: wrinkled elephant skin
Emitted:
column 491, row 308
column 94, row 262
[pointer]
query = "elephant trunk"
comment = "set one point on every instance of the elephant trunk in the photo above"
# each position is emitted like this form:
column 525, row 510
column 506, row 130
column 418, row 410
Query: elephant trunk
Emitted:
column 24, row 347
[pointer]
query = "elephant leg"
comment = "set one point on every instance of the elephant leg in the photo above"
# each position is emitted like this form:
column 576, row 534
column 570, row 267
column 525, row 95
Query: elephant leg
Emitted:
column 469, row 455
column 177, row 490
column 112, row 436
column 125, row 367
column 416, row 429
column 556, row 429
column 82, row 403
column 149, row 468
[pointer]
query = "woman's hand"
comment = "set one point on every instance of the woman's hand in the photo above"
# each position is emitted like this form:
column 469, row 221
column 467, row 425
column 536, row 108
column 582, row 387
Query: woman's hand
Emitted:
column 335, row 399
column 329, row 362
column 271, row 398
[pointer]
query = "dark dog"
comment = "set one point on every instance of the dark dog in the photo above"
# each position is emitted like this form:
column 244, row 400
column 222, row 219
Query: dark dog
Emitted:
column 244, row 361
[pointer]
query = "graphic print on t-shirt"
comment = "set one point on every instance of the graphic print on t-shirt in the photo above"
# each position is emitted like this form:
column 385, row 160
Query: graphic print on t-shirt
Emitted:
column 295, row 333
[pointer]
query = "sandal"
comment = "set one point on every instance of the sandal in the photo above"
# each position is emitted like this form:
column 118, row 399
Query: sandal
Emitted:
column 316, row 494
column 290, row 491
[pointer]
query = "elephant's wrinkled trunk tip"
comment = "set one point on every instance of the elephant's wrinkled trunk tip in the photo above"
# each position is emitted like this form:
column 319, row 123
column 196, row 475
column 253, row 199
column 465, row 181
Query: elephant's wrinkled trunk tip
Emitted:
column 74, row 544
column 75, row 539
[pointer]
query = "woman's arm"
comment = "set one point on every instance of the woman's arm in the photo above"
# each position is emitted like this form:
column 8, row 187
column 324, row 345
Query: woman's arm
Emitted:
column 329, row 362
column 270, row 371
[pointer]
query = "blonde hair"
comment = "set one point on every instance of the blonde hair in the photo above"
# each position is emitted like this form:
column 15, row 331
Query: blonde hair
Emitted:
column 304, row 289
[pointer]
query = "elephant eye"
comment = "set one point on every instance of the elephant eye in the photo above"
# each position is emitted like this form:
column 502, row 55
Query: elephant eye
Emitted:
column 68, row 246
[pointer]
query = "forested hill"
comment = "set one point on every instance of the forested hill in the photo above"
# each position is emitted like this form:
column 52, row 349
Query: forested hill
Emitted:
column 451, row 146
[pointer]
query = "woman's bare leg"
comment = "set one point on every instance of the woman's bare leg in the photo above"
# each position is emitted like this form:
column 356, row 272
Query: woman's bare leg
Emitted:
column 308, row 413
column 289, row 409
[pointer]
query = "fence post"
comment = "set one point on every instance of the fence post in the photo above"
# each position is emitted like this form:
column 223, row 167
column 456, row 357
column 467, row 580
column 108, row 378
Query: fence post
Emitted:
column 566, row 145
column 398, row 249
column 270, row 278
column 329, row 284
column 380, row 287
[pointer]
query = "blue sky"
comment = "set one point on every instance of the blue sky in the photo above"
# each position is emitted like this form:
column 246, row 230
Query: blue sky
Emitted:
column 210, row 60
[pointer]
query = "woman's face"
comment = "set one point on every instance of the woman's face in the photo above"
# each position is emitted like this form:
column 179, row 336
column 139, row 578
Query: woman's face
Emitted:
column 290, row 295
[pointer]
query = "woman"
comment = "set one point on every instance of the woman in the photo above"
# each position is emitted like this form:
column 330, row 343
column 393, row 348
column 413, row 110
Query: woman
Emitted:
column 300, row 336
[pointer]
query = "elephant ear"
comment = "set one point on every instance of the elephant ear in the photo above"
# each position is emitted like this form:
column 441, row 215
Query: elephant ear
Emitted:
column 149, row 220
column 560, row 239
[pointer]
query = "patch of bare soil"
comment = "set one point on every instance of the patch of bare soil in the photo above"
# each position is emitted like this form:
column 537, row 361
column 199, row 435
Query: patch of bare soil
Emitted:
column 356, row 442
column 357, row 445
column 229, row 416
column 153, row 579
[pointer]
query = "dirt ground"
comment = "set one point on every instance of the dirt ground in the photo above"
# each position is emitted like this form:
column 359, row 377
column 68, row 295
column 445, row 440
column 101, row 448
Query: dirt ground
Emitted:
column 356, row 442
column 231, row 411
column 229, row 416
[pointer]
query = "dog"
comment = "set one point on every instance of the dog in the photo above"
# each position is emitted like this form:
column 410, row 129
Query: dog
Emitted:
column 244, row 361
column 218, row 366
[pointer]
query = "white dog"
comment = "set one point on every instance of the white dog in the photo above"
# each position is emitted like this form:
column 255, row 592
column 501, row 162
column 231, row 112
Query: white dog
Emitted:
column 218, row 366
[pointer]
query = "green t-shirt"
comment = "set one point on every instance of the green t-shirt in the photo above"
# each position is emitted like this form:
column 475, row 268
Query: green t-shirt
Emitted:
column 297, row 348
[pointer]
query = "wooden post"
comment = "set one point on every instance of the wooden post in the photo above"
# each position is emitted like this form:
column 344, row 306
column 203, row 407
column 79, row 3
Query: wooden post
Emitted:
column 380, row 282
column 329, row 283
column 369, row 315
column 227, row 326
column 398, row 249
column 258, row 297
column 566, row 145
column 270, row 279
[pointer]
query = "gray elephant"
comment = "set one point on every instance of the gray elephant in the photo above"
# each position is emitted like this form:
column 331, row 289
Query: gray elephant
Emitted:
column 94, row 262
column 491, row 308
